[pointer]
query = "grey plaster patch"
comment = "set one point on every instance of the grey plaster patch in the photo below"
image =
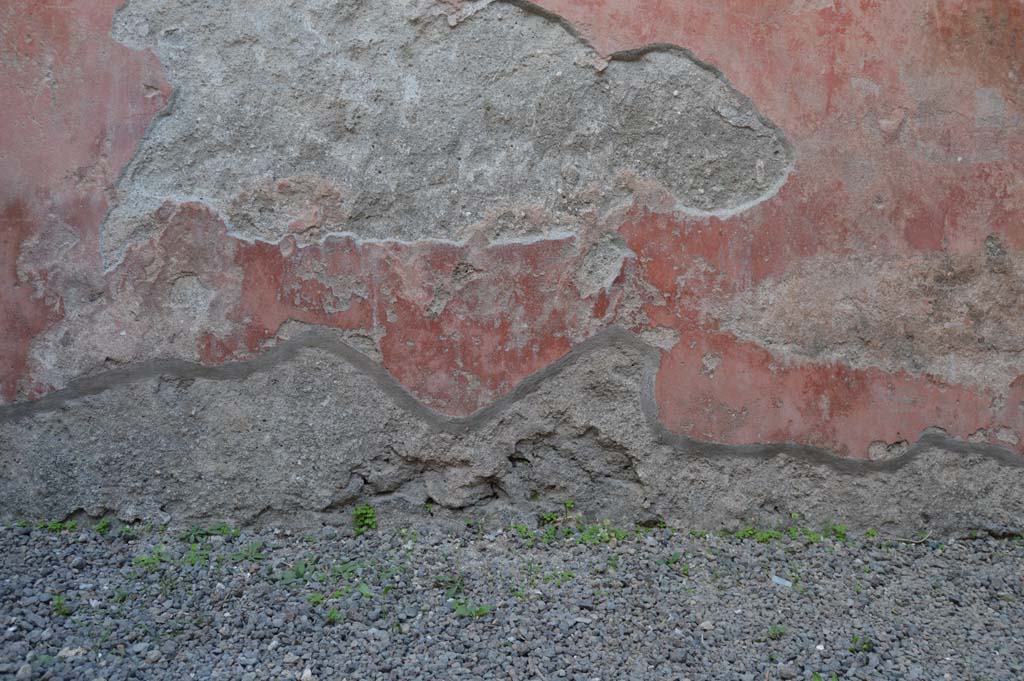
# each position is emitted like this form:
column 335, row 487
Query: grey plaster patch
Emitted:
column 312, row 427
column 957, row 317
column 384, row 121
column 602, row 265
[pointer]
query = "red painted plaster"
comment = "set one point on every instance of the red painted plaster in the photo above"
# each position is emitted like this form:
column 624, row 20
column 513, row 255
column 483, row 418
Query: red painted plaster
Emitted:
column 906, row 122
column 713, row 387
column 75, row 104
column 25, row 306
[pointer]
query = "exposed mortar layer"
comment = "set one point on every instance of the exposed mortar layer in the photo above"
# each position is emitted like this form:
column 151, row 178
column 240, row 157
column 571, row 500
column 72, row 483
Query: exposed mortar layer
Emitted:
column 383, row 121
column 958, row 317
column 306, row 449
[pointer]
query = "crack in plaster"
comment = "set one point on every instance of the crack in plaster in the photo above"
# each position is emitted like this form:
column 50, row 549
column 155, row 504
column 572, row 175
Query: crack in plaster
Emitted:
column 610, row 337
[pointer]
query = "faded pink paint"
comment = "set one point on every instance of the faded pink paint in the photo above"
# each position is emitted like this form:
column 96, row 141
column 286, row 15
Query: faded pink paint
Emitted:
column 456, row 356
column 897, row 154
column 894, row 155
column 719, row 389
column 75, row 105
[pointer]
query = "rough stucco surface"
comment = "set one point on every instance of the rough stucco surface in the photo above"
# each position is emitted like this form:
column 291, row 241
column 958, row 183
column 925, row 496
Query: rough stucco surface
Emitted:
column 315, row 427
column 701, row 262
column 381, row 121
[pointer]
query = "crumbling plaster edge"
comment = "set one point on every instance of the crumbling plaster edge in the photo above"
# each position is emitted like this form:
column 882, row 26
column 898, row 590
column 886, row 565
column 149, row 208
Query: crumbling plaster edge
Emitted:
column 613, row 337
column 679, row 209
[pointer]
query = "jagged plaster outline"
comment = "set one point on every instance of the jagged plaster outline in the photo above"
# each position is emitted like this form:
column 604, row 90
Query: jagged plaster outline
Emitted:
column 390, row 386
column 621, row 55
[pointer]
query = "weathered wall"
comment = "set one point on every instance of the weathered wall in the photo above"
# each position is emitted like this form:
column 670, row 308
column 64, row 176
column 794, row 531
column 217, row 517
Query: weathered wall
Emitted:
column 698, row 261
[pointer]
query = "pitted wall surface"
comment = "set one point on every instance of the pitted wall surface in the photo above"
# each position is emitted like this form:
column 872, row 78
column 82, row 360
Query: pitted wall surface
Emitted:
column 700, row 262
column 387, row 122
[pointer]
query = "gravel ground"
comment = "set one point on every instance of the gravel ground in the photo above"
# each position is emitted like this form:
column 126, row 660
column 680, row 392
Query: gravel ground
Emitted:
column 434, row 603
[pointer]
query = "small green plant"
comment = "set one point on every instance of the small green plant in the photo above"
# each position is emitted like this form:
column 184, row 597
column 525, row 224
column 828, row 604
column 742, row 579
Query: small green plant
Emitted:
column 365, row 518
column 315, row 599
column 193, row 534
column 861, row 644
column 296, row 572
column 524, row 533
column 838, row 531
column 602, row 533
column 685, row 570
column 251, row 553
column 568, row 505
column 464, row 608
column 452, row 584
column 558, row 578
column 224, row 530
column 550, row 534
column 550, row 517
column 364, row 590
column 674, row 558
column 127, row 532
column 612, row 562
column 152, row 560
column 767, row 536
column 761, row 536
column 348, row 570
column 532, row 573
column 699, row 534
column 59, row 526
column 60, row 606
column 102, row 527
column 333, row 616
column 775, row 632
column 195, row 555
column 167, row 584
column 810, row 535
column 120, row 596
column 871, row 534
column 817, row 677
